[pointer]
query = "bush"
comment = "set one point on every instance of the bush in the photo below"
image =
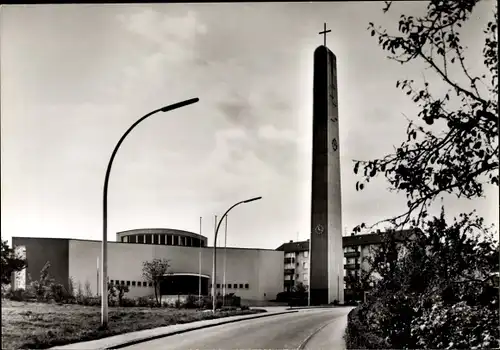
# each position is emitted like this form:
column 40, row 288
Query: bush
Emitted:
column 127, row 302
column 90, row 301
column 457, row 326
column 146, row 302
column 190, row 302
column 245, row 307
column 58, row 292
column 17, row 295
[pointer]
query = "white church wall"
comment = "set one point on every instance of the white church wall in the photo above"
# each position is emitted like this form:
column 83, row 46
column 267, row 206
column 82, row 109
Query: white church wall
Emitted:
column 243, row 266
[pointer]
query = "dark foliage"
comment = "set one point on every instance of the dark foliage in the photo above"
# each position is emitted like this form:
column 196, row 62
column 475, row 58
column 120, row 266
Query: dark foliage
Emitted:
column 464, row 157
column 434, row 290
column 11, row 262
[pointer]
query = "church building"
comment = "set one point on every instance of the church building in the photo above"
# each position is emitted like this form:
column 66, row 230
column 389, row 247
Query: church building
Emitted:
column 255, row 275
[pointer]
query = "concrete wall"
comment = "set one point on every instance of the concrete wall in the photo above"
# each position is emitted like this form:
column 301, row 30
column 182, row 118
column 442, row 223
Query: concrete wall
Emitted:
column 261, row 269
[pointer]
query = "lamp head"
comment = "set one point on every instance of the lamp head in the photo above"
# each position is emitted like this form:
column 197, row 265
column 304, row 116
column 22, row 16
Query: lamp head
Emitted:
column 252, row 199
column 180, row 104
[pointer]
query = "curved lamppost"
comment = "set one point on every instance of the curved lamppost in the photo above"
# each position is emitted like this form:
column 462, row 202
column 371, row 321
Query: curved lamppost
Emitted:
column 214, row 266
column 104, row 248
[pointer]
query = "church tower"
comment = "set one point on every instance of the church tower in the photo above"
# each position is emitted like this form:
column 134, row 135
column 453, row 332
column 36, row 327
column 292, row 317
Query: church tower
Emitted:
column 327, row 271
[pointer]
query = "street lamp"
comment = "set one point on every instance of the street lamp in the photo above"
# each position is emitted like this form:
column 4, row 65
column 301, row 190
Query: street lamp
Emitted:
column 104, row 247
column 214, row 299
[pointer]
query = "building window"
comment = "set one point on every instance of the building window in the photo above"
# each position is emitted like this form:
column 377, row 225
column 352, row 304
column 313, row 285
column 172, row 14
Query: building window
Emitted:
column 128, row 283
column 132, row 239
column 305, row 265
column 241, row 285
column 305, row 277
column 306, row 254
column 148, row 239
column 150, row 284
column 140, row 238
column 229, row 285
column 133, row 283
column 247, row 286
column 155, row 239
column 218, row 285
column 111, row 281
column 122, row 283
column 162, row 239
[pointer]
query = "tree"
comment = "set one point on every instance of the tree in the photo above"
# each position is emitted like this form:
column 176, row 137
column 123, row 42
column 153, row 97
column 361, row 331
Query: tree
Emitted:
column 465, row 156
column 300, row 288
column 11, row 262
column 153, row 271
column 42, row 288
column 446, row 271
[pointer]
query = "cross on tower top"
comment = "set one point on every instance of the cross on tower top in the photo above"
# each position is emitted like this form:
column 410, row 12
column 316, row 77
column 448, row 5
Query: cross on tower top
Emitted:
column 324, row 33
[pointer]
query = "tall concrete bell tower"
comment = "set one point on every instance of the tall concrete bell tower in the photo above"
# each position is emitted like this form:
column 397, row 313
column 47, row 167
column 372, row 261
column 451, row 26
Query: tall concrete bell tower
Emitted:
column 327, row 270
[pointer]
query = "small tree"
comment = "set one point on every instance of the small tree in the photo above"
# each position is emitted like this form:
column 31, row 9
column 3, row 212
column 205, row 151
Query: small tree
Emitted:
column 41, row 288
column 153, row 271
column 11, row 262
column 88, row 289
column 300, row 288
column 122, row 289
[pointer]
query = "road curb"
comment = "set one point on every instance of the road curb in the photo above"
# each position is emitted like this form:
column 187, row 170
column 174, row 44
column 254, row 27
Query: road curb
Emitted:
column 149, row 338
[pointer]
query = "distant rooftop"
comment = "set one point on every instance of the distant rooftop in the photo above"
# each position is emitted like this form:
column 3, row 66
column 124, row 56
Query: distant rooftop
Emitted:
column 347, row 241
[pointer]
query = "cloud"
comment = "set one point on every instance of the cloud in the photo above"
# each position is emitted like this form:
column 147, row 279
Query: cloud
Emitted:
column 270, row 132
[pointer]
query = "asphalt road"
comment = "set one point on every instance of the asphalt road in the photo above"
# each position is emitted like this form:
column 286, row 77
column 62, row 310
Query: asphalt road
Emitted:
column 306, row 329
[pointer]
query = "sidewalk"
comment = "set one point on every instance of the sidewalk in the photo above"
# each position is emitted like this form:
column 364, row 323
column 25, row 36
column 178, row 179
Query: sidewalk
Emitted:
column 127, row 339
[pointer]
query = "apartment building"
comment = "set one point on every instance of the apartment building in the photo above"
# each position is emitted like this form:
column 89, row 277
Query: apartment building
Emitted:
column 356, row 250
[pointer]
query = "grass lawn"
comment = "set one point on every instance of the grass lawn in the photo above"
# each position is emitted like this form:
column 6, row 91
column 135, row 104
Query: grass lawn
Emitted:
column 41, row 326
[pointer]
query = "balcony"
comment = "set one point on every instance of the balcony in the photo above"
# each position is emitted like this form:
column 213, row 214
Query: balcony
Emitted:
column 354, row 254
column 289, row 271
column 351, row 266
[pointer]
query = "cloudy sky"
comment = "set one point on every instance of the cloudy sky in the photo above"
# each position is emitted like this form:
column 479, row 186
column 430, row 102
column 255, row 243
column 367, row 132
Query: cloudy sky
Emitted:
column 75, row 77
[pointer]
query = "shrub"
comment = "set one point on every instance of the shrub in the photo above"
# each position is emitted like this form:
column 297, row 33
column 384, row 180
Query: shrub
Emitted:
column 71, row 287
column 127, row 302
column 190, row 302
column 90, row 301
column 17, row 295
column 57, row 292
column 457, row 326
column 177, row 304
column 144, row 302
column 245, row 307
